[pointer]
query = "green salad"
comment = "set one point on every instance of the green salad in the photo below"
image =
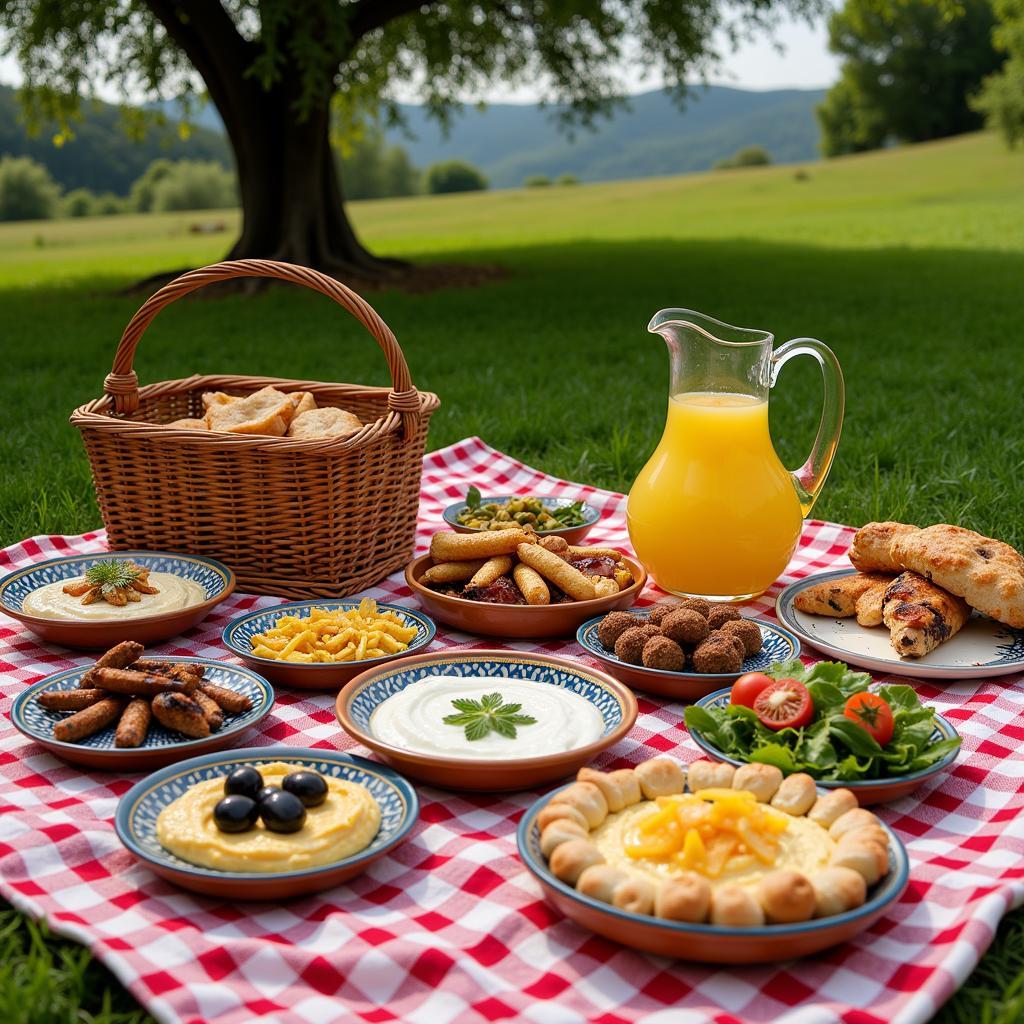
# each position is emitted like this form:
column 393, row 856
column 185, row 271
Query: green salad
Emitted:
column 835, row 738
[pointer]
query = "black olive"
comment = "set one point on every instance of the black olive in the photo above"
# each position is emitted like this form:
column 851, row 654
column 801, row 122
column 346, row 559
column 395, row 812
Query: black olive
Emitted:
column 282, row 812
column 245, row 781
column 265, row 792
column 236, row 813
column 309, row 787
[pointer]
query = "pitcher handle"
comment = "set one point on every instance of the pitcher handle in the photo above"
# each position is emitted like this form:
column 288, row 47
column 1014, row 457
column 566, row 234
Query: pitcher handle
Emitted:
column 810, row 477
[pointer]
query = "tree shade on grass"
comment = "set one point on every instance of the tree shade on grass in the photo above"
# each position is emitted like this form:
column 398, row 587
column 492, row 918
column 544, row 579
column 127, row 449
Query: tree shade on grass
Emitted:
column 907, row 262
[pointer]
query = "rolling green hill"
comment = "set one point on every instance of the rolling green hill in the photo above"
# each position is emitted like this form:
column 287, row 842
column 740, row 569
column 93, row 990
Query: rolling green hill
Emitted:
column 101, row 157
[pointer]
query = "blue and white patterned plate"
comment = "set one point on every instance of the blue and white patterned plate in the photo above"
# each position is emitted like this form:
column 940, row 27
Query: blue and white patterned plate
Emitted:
column 867, row 791
column 363, row 695
column 216, row 579
column 238, row 634
column 590, row 514
column 982, row 648
column 161, row 746
column 777, row 644
column 139, row 808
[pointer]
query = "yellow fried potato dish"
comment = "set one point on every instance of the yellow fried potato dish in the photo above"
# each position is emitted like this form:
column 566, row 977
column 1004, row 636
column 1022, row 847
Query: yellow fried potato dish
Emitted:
column 708, row 831
column 355, row 634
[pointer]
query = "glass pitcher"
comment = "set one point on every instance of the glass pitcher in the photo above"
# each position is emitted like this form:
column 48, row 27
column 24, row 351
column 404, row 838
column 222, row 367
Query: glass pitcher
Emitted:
column 714, row 513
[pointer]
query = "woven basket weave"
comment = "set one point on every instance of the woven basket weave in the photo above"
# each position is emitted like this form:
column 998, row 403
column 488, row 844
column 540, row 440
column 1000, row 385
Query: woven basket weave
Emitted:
column 294, row 517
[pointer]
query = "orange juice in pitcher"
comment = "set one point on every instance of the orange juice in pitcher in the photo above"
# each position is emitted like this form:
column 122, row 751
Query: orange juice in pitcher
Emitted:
column 714, row 513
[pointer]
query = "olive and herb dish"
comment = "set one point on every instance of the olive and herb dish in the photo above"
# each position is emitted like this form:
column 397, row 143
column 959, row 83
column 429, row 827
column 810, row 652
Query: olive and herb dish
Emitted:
column 528, row 511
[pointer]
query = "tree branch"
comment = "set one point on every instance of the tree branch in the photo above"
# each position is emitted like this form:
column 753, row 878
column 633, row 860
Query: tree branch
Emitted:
column 368, row 15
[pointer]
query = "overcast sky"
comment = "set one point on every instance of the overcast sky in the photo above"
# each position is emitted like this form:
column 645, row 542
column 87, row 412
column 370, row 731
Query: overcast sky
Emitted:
column 804, row 63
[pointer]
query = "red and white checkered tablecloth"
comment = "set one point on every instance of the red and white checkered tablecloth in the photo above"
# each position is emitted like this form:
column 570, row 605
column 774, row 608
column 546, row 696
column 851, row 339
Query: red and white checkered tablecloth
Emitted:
column 451, row 927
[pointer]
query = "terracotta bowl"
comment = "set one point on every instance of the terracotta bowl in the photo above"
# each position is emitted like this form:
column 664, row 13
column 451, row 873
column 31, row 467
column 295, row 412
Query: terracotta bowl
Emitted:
column 361, row 697
column 135, row 822
column 707, row 943
column 571, row 534
column 161, row 746
column 778, row 644
column 238, row 634
column 867, row 791
column 518, row 621
column 216, row 579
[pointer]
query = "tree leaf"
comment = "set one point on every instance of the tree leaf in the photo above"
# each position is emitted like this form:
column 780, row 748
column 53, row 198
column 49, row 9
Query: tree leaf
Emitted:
column 490, row 701
column 466, row 704
column 503, row 727
column 478, row 729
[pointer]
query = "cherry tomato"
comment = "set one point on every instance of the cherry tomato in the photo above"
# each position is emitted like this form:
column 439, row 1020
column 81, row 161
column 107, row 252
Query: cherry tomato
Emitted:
column 785, row 704
column 747, row 687
column 872, row 714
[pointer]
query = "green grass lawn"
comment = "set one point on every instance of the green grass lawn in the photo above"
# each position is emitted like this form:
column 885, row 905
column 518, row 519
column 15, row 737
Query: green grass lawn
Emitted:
column 908, row 263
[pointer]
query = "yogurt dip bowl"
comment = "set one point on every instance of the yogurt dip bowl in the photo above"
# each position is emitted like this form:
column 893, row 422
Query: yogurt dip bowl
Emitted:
column 576, row 712
column 205, row 583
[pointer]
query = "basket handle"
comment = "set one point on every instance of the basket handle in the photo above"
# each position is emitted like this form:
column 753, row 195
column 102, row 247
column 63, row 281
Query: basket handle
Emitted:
column 122, row 384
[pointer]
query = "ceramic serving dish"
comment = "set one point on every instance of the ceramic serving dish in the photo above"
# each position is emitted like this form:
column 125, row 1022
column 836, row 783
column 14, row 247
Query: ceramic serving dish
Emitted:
column 777, row 645
column 709, row 943
column 238, row 634
column 161, row 746
column 139, row 808
column 518, row 621
column 361, row 697
column 981, row 649
column 216, row 579
column 571, row 534
column 867, row 791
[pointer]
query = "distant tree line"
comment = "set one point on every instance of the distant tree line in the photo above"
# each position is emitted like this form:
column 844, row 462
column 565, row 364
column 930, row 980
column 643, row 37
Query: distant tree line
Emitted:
column 915, row 70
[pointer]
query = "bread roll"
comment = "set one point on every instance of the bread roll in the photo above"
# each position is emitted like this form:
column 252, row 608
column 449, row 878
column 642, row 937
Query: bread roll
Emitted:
column 760, row 779
column 660, row 776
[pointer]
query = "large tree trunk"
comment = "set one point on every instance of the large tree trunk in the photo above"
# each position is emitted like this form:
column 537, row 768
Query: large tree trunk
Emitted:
column 292, row 206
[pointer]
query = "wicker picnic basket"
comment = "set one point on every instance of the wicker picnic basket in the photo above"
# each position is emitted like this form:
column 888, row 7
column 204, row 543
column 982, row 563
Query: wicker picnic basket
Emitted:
column 295, row 517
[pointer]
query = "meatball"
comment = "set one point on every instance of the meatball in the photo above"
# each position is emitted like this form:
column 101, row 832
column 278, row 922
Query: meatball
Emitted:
column 660, row 652
column 717, row 654
column 657, row 614
column 613, row 625
column 698, row 605
column 749, row 632
column 720, row 615
column 630, row 645
column 685, row 626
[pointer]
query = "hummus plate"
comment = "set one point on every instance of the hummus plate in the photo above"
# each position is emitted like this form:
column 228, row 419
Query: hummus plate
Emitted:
column 204, row 583
column 140, row 808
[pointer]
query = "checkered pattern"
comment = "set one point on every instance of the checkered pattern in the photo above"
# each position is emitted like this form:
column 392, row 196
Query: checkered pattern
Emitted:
column 450, row 927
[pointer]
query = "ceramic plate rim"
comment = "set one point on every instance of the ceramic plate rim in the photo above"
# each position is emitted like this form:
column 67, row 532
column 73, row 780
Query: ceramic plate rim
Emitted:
column 591, row 514
column 232, row 645
column 670, row 673
column 894, row 666
column 16, row 613
column 128, row 803
column 625, row 697
column 128, row 752
column 901, row 871
column 534, row 609
column 942, row 724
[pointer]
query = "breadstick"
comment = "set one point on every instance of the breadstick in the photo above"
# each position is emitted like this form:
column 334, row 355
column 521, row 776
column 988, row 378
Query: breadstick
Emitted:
column 452, row 572
column 134, row 724
column 556, row 544
column 449, row 546
column 490, row 571
column 564, row 576
column 615, row 556
column 210, row 709
column 70, row 700
column 92, row 719
column 141, row 684
column 531, row 585
column 120, row 656
column 233, row 702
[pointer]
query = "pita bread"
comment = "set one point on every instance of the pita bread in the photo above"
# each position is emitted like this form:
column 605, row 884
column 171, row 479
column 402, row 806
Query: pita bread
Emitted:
column 189, row 424
column 324, row 423
column 266, row 411
column 217, row 398
column 303, row 401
